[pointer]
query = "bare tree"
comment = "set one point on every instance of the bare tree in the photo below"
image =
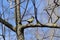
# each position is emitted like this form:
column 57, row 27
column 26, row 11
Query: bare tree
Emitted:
column 51, row 10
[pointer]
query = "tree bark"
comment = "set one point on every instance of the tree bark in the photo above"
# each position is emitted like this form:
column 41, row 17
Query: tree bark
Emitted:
column 18, row 21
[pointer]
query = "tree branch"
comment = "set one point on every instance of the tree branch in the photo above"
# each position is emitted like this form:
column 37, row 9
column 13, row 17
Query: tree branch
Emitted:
column 17, row 4
column 25, row 9
column 35, row 11
column 48, row 25
column 7, row 24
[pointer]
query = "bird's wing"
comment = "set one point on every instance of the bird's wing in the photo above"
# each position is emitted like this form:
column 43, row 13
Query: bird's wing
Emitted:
column 31, row 19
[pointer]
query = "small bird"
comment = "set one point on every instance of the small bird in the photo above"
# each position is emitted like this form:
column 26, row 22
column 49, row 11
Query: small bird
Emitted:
column 30, row 20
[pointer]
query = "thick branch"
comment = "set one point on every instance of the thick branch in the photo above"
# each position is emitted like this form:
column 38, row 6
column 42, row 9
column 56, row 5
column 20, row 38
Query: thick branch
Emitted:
column 49, row 25
column 7, row 24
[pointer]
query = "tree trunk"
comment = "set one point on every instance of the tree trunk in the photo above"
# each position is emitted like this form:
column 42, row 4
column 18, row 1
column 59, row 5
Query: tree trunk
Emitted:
column 20, row 35
column 18, row 21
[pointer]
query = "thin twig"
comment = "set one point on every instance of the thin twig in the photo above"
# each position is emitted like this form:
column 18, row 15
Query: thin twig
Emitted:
column 25, row 9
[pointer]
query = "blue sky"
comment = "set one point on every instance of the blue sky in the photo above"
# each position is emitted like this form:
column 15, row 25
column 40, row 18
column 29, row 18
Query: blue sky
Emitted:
column 29, row 33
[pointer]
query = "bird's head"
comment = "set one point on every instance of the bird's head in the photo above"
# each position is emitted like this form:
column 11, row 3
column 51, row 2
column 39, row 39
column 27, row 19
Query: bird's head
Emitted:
column 32, row 16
